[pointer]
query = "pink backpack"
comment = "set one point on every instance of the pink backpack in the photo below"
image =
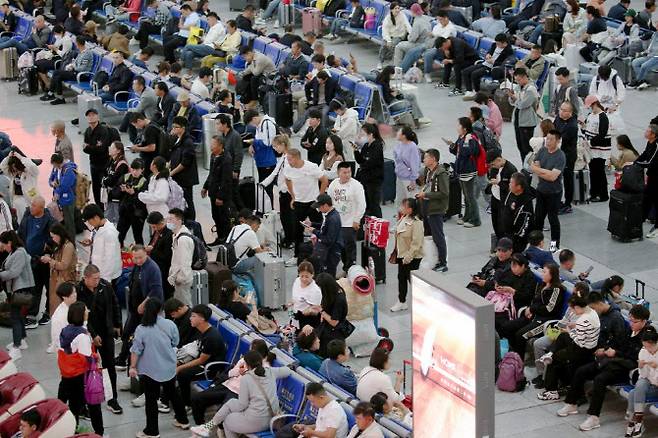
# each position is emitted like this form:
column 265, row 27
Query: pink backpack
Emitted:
column 510, row 373
column 503, row 303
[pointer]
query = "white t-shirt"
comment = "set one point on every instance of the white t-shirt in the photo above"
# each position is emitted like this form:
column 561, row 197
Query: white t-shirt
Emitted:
column 246, row 241
column 304, row 181
column 200, row 89
column 371, row 381
column 305, row 297
column 58, row 321
column 332, row 415
column 82, row 344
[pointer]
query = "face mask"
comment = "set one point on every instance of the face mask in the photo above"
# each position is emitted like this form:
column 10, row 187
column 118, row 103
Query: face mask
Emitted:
column 171, row 226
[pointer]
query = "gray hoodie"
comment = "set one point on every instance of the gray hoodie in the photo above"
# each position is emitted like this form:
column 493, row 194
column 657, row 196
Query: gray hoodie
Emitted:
column 16, row 271
column 421, row 30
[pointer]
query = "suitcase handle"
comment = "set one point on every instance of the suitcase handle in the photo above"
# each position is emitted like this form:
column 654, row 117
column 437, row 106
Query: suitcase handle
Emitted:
column 639, row 283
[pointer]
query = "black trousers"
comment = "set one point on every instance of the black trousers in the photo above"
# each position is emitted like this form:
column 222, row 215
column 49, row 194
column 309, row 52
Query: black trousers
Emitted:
column 496, row 207
column 221, row 215
column 264, row 172
column 72, row 391
column 126, row 222
column 548, row 204
column 302, row 211
column 472, row 75
column 126, row 126
column 151, row 394
column 146, row 28
column 598, row 179
column 237, row 200
column 568, row 176
column 170, row 45
column 59, row 76
column 567, row 358
column 348, row 254
column 97, row 175
column 447, row 69
column 185, row 378
column 134, row 319
column 248, row 88
column 41, row 272
column 523, row 136
column 287, row 218
column 404, row 277
column 610, row 374
column 373, row 192
column 106, row 352
column 514, row 330
column 650, row 200
column 215, row 395
column 188, row 194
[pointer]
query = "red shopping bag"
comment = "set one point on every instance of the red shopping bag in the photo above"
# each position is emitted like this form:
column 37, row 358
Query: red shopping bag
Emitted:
column 377, row 231
column 127, row 259
column 618, row 180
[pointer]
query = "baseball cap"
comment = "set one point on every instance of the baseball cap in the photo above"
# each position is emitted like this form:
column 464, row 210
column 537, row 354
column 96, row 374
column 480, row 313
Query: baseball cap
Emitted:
column 416, row 9
column 589, row 100
column 630, row 13
column 504, row 243
column 91, row 110
column 322, row 200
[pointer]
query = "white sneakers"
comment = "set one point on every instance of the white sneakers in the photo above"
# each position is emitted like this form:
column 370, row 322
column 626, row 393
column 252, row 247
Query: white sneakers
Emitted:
column 399, row 307
column 592, row 422
column 469, row 95
column 567, row 410
column 428, row 78
column 51, row 349
column 652, row 233
column 15, row 353
column 547, row 358
column 23, row 345
column 203, row 430
column 139, row 401
column 424, row 121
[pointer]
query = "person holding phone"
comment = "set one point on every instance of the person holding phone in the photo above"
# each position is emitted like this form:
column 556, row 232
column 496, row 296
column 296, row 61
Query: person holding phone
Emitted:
column 369, row 154
column 466, row 149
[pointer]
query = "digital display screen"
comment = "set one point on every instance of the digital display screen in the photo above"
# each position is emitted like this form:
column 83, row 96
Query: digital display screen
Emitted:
column 444, row 364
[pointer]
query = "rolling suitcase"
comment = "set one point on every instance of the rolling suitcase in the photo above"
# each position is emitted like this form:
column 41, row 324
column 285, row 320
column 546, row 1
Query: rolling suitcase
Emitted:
column 624, row 69
column 388, row 186
column 217, row 274
column 312, row 20
column 588, row 68
column 28, row 82
column 8, row 63
column 454, row 198
column 86, row 102
column 279, row 106
column 271, row 272
column 626, row 215
column 581, row 184
column 200, row 287
column 286, row 14
column 501, row 99
column 378, row 257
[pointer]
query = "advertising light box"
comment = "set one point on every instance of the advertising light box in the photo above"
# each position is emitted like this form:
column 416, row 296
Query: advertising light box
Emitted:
column 453, row 359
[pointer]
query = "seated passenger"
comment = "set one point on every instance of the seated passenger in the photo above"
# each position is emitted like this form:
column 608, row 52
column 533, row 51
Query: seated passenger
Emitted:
column 333, row 367
column 231, row 301
column 484, row 281
column 304, row 351
column 181, row 314
column 373, row 379
column 535, row 251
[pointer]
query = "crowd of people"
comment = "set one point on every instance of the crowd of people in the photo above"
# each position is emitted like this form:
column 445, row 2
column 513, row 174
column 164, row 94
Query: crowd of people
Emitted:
column 325, row 187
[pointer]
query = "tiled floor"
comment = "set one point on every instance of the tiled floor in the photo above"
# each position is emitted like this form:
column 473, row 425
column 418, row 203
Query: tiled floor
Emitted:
column 26, row 120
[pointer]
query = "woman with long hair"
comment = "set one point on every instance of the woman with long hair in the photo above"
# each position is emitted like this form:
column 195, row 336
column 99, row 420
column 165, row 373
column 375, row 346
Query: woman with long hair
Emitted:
column 231, row 301
column 627, row 153
column 281, row 144
column 333, row 317
column 23, row 175
column 575, row 23
column 393, row 96
column 597, row 131
column 369, row 154
column 155, row 197
column 153, row 359
column 306, row 296
column 333, row 156
column 63, row 263
column 466, row 149
column 406, row 157
column 257, row 403
column 116, row 169
column 409, row 238
column 395, row 28
column 16, row 274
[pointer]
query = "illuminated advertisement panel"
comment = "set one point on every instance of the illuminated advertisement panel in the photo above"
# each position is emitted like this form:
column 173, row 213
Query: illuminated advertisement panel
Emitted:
column 453, row 360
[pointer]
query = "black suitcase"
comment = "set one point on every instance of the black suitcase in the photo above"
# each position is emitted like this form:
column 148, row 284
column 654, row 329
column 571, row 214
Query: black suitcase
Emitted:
column 626, row 216
column 389, row 184
column 217, row 274
column 378, row 257
column 28, row 81
column 247, row 191
column 454, row 198
column 279, row 106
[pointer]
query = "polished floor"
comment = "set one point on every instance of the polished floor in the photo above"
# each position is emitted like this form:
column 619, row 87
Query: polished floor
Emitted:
column 27, row 121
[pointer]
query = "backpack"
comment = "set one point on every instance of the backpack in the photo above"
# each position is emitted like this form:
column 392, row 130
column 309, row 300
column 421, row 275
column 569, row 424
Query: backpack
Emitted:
column 226, row 251
column 112, row 134
column 165, row 142
column 489, row 140
column 200, row 255
column 614, row 81
column 176, row 197
column 480, row 159
column 503, row 303
column 510, row 373
column 632, row 179
column 82, row 185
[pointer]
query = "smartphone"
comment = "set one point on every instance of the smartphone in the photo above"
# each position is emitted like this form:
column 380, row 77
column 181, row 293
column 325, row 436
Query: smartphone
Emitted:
column 561, row 324
column 446, row 141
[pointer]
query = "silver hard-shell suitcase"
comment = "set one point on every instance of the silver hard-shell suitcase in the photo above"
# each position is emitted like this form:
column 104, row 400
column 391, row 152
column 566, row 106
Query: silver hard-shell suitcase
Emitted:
column 271, row 272
column 200, row 287
column 8, row 63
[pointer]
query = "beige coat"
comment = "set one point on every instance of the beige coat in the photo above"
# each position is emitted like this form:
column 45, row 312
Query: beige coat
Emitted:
column 409, row 237
column 62, row 268
column 627, row 156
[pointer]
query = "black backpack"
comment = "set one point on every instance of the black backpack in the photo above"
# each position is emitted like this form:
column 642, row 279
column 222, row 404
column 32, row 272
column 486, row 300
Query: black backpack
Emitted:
column 200, row 256
column 632, row 179
column 226, row 251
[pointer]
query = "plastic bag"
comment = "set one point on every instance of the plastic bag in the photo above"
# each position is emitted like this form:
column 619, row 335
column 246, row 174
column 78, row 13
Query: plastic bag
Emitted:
column 94, row 388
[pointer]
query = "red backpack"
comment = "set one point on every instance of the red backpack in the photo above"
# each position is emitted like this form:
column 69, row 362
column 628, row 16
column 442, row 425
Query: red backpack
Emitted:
column 481, row 158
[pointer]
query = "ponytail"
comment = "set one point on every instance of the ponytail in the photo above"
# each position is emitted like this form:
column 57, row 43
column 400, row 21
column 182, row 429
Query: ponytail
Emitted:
column 254, row 361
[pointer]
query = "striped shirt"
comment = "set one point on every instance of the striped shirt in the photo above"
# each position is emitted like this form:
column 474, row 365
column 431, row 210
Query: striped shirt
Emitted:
column 586, row 332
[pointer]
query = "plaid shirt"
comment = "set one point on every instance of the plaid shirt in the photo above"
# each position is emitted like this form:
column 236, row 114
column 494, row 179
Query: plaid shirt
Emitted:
column 161, row 15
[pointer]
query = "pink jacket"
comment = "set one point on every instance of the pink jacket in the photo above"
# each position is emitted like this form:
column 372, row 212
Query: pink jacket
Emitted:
column 495, row 119
column 133, row 6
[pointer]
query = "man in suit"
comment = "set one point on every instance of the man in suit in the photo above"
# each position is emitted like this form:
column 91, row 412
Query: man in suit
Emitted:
column 218, row 188
column 148, row 104
column 315, row 138
column 164, row 105
column 320, row 91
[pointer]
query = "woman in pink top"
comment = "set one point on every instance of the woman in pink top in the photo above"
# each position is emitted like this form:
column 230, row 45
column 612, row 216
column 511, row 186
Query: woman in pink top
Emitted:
column 130, row 10
column 227, row 385
column 492, row 114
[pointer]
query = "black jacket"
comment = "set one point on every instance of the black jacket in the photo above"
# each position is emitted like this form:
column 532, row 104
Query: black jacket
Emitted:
column 649, row 159
column 329, row 232
column 162, row 252
column 288, row 38
column 192, row 116
column 524, row 286
column 114, row 178
column 569, row 131
column 317, row 138
column 517, row 215
column 186, row 333
column 120, row 79
column 614, row 333
column 243, row 23
column 547, row 303
column 165, row 105
column 233, row 145
column 104, row 311
column 507, row 52
column 505, row 173
column 493, row 270
column 10, row 21
column 220, row 178
column 96, row 144
column 358, row 18
column 130, row 204
column 371, row 163
column 312, row 90
column 183, row 152
column 461, row 53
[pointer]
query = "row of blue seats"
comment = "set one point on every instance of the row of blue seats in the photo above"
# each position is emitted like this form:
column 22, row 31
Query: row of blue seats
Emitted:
column 239, row 336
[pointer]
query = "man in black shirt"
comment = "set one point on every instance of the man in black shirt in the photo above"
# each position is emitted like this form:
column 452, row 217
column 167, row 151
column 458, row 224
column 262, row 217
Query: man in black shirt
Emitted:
column 9, row 19
column 517, row 214
column 218, row 188
column 457, row 54
column 159, row 248
column 212, row 348
column 233, row 145
column 165, row 104
column 181, row 314
column 96, row 142
column 103, row 323
column 245, row 21
column 567, row 124
column 182, row 163
column 150, row 140
column 500, row 172
column 120, row 79
column 315, row 137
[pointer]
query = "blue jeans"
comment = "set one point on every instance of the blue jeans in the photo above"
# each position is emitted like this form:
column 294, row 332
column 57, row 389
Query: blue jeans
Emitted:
column 6, row 43
column 411, row 56
column 337, row 25
column 272, row 7
column 638, row 396
column 643, row 65
column 190, row 52
column 429, row 57
column 471, row 212
column 247, row 267
column 534, row 36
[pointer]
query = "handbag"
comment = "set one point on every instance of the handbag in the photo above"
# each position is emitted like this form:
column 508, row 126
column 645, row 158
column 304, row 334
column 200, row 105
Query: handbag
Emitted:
column 345, row 328
column 393, row 258
column 55, row 211
column 94, row 389
column 187, row 352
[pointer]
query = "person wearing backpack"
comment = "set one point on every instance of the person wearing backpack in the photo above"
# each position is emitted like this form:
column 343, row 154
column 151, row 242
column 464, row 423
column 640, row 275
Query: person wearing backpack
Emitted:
column 63, row 179
column 183, row 163
column 132, row 212
column 609, row 89
column 157, row 194
column 180, row 271
column 467, row 148
column 565, row 91
column 501, row 171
